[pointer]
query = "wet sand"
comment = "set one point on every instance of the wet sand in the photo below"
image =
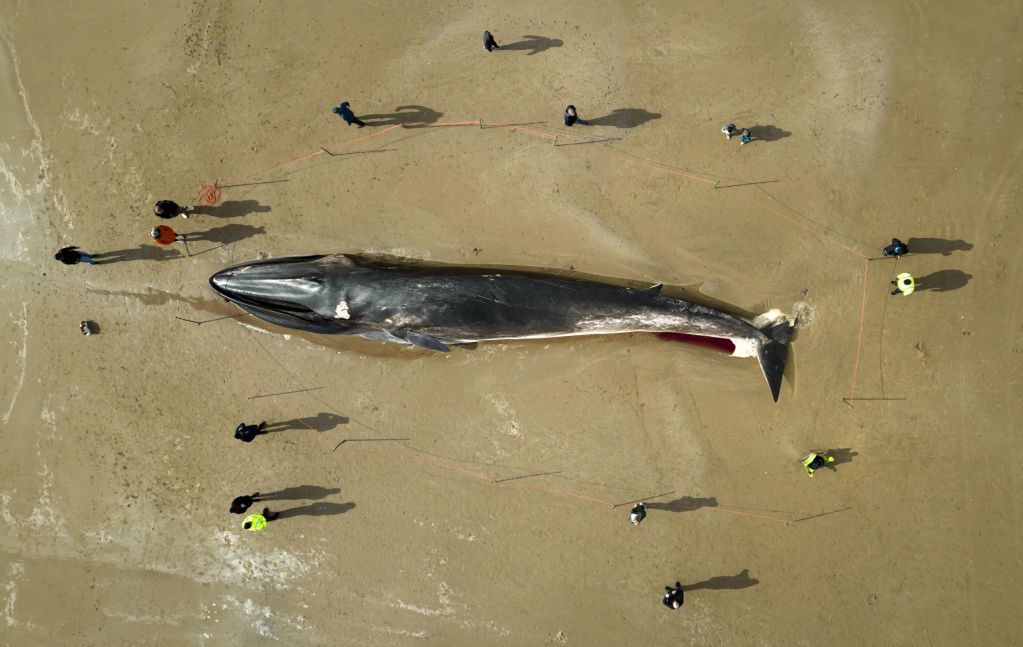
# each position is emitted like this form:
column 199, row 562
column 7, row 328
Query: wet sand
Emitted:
column 477, row 489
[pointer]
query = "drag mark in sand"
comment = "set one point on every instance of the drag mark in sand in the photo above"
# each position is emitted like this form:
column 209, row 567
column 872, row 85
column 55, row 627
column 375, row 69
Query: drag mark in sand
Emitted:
column 22, row 354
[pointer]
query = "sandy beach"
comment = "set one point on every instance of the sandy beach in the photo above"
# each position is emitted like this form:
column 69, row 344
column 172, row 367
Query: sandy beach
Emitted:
column 481, row 497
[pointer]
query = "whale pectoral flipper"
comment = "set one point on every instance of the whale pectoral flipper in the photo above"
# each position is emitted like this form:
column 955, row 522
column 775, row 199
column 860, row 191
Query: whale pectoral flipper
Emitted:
column 382, row 335
column 422, row 340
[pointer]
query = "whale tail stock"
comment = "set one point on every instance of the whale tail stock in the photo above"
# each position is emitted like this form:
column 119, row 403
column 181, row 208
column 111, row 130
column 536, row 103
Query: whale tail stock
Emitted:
column 773, row 350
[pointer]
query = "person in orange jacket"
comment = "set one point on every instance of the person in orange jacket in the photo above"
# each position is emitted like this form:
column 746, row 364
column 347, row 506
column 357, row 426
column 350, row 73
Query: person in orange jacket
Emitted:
column 164, row 235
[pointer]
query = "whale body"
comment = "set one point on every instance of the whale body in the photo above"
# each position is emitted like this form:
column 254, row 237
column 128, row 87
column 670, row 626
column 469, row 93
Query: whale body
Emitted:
column 433, row 307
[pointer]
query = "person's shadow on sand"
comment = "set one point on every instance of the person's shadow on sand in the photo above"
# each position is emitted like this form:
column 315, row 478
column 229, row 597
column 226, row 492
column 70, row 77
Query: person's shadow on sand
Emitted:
column 231, row 209
column 226, row 234
column 535, row 44
column 403, row 115
column 323, row 421
column 769, row 133
column 140, row 253
column 841, row 455
column 937, row 246
column 299, row 492
column 684, row 504
column 724, row 582
column 624, row 118
column 942, row 280
column 318, row 509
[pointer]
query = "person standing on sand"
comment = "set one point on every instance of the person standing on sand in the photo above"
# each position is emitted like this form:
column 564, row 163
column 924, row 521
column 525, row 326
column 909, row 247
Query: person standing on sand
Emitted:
column 73, row 256
column 489, row 43
column 674, row 597
column 246, row 433
column 638, row 514
column 243, row 503
column 164, row 235
column 728, row 130
column 256, row 522
column 745, row 136
column 904, row 283
column 896, row 249
column 344, row 111
column 169, row 209
column 572, row 117
column 814, row 461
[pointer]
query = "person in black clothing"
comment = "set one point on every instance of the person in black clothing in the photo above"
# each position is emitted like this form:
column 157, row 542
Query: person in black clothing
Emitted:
column 243, row 503
column 638, row 514
column 896, row 249
column 168, row 209
column 345, row 112
column 674, row 598
column 73, row 256
column 489, row 43
column 246, row 433
column 572, row 117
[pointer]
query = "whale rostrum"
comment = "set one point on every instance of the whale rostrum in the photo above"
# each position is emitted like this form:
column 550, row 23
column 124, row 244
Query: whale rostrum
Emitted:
column 433, row 307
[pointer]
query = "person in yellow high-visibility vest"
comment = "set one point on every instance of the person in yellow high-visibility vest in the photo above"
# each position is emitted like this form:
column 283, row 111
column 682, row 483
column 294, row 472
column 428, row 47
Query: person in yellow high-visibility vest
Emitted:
column 904, row 283
column 256, row 522
column 814, row 461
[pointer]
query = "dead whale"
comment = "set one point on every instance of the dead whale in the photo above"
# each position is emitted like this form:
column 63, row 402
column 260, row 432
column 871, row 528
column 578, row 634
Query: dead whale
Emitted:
column 433, row 307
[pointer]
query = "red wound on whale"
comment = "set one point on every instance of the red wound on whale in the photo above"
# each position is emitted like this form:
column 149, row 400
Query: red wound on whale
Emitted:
column 716, row 343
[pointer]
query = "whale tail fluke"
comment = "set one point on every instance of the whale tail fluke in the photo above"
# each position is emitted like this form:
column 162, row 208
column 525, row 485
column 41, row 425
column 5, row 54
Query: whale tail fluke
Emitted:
column 772, row 351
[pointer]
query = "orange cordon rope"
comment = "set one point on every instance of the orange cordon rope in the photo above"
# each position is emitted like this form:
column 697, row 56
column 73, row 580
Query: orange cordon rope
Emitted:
column 659, row 167
column 535, row 133
column 439, row 124
column 210, row 194
column 799, row 224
